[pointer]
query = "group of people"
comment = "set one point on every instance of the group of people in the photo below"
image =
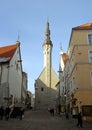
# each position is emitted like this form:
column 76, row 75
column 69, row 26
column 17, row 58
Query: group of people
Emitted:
column 79, row 119
column 79, row 116
column 4, row 112
column 17, row 112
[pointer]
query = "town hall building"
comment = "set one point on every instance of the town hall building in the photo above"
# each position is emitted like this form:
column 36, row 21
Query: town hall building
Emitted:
column 45, row 85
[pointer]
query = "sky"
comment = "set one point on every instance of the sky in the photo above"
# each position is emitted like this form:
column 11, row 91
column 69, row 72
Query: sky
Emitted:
column 27, row 19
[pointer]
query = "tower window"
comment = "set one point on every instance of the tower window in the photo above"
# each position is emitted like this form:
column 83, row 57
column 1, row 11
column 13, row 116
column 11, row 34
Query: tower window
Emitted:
column 42, row 89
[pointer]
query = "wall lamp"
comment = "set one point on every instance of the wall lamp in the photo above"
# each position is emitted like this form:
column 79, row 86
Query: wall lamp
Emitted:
column 19, row 60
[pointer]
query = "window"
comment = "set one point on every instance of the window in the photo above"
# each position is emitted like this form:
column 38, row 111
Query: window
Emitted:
column 42, row 89
column 17, row 66
column 90, row 39
column 91, row 77
column 71, row 84
column 90, row 56
column 74, row 84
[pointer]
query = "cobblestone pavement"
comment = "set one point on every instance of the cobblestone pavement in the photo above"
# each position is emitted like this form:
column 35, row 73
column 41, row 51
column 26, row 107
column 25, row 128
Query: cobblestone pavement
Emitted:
column 42, row 120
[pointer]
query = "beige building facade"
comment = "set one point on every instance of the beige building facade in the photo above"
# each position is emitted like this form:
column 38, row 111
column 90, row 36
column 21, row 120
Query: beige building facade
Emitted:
column 78, row 71
column 60, row 96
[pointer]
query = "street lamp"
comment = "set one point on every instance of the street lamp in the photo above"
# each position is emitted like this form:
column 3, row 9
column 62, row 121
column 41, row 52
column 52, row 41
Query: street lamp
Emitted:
column 19, row 61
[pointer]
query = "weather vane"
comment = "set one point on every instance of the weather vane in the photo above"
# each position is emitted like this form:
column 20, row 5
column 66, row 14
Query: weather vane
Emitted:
column 18, row 36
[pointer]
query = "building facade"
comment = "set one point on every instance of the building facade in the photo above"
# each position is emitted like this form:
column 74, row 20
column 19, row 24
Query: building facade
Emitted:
column 61, row 86
column 45, row 90
column 78, row 71
column 24, row 87
column 10, row 74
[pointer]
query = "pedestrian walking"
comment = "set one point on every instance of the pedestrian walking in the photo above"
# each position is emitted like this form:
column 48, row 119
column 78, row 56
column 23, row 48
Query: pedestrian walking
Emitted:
column 58, row 109
column 67, row 115
column 21, row 113
column 1, row 112
column 52, row 111
column 80, row 121
column 48, row 109
column 7, row 112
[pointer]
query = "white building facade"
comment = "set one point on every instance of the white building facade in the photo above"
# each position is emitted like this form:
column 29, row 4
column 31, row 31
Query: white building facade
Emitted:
column 10, row 74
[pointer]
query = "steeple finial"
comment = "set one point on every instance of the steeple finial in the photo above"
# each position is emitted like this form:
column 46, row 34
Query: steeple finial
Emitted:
column 18, row 36
column 17, row 42
column 47, row 29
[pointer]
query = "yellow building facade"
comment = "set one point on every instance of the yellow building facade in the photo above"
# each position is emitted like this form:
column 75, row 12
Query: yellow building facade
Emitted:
column 78, row 71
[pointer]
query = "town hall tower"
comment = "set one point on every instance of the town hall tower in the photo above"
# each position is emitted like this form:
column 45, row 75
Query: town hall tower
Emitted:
column 45, row 85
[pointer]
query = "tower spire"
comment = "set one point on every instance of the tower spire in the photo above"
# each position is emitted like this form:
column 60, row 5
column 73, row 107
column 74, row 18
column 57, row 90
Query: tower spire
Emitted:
column 47, row 34
column 47, row 30
column 61, row 50
column 47, row 48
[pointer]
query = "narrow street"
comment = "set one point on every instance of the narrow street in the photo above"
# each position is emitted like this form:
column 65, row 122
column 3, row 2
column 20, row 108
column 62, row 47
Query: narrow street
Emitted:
column 42, row 120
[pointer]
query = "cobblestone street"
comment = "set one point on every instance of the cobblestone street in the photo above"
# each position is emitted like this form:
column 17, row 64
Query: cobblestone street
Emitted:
column 39, row 120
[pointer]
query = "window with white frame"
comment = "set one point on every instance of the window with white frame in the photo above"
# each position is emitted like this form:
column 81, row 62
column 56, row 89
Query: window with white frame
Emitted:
column 90, row 39
column 91, row 78
column 90, row 56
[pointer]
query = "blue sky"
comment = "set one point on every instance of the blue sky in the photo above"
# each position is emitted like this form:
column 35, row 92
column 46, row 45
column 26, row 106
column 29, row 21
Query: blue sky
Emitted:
column 29, row 17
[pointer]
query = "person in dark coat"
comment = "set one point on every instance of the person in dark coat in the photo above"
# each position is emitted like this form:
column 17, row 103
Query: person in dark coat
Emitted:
column 52, row 111
column 80, row 121
column 21, row 113
column 67, row 115
column 1, row 112
column 7, row 112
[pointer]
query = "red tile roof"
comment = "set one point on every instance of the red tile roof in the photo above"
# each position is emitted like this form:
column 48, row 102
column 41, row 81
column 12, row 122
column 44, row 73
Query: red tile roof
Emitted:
column 84, row 26
column 8, row 51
